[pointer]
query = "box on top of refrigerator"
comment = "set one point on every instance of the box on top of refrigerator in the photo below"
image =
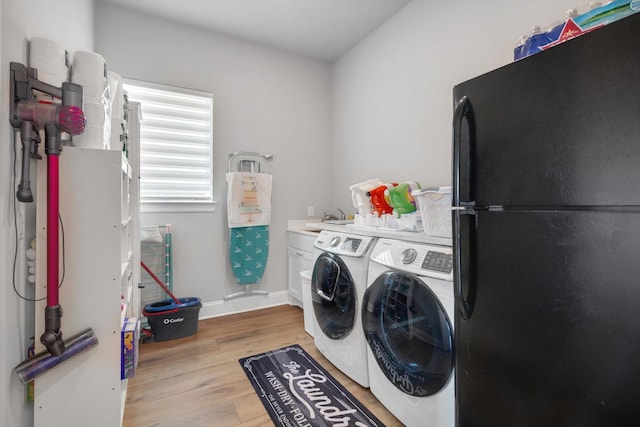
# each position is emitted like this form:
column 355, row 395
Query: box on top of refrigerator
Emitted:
column 575, row 25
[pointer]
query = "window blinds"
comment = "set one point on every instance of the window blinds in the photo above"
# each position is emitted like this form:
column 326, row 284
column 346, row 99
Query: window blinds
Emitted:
column 176, row 143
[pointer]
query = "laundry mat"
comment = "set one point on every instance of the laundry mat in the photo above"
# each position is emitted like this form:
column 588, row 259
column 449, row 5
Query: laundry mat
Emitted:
column 297, row 391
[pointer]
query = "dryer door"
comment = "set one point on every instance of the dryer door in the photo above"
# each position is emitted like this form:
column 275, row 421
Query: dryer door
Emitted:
column 334, row 296
column 409, row 333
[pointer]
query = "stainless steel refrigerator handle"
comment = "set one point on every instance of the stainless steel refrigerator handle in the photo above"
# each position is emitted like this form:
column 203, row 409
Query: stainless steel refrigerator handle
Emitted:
column 462, row 111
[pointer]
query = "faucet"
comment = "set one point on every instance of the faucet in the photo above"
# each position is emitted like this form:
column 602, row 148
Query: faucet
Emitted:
column 331, row 217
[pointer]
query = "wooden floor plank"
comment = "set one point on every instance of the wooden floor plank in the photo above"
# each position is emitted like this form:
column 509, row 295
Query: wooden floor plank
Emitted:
column 197, row 381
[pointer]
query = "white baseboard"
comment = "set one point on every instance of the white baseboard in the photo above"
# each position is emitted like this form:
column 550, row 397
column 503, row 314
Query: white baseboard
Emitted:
column 242, row 304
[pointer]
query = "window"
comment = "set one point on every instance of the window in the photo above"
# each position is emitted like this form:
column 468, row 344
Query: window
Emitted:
column 176, row 146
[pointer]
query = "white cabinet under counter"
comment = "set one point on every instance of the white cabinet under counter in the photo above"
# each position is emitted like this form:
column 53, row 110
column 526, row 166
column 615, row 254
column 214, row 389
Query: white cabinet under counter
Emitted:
column 300, row 258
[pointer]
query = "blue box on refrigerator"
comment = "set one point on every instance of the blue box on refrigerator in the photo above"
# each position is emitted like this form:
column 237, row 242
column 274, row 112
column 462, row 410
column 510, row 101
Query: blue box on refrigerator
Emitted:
column 129, row 353
column 574, row 26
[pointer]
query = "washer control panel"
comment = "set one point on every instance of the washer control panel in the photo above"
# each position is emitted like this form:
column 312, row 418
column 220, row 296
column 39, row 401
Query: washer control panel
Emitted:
column 343, row 243
column 417, row 258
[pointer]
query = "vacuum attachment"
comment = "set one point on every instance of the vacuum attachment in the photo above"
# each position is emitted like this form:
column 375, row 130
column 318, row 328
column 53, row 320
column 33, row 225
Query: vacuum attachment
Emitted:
column 44, row 361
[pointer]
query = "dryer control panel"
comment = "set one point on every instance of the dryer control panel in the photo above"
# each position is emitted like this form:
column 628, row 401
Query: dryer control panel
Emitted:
column 419, row 259
column 343, row 243
column 438, row 261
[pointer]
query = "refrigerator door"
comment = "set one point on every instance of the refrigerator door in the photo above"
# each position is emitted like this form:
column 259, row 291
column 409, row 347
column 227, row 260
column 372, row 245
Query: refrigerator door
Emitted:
column 559, row 128
column 552, row 337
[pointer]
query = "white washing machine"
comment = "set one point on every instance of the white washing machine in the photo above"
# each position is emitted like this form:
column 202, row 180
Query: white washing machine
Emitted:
column 407, row 317
column 338, row 283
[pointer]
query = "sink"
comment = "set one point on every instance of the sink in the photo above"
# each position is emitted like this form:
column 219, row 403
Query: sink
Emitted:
column 339, row 221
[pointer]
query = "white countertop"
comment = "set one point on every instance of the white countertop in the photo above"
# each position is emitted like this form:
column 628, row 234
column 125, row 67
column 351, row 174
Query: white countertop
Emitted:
column 408, row 236
column 304, row 226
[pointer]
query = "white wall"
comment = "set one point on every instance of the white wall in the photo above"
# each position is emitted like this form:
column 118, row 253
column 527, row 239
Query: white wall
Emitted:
column 69, row 22
column 265, row 100
column 392, row 93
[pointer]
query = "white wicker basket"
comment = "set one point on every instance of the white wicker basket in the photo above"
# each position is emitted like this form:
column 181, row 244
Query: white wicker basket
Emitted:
column 435, row 209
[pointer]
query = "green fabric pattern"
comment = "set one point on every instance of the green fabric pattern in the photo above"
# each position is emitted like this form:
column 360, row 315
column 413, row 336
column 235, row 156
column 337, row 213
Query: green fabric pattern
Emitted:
column 248, row 252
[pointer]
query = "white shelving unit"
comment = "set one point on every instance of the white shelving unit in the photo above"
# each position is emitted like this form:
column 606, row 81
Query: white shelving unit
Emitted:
column 100, row 215
column 131, row 228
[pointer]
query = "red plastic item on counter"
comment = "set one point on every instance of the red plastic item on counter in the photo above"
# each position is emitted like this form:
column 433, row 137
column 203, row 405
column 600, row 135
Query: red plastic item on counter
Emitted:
column 379, row 201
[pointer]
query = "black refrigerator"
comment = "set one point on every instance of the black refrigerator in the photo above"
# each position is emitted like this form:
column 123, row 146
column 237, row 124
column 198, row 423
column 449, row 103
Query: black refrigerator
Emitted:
column 546, row 217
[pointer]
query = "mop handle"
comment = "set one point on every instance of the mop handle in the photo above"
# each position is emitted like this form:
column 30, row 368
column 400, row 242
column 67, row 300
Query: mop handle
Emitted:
column 159, row 282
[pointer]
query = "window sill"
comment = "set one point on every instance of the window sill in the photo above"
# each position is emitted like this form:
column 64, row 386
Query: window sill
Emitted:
column 178, row 207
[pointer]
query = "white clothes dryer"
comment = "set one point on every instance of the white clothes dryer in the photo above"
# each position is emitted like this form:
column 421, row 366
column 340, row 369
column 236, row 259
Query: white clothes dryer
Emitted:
column 407, row 317
column 338, row 283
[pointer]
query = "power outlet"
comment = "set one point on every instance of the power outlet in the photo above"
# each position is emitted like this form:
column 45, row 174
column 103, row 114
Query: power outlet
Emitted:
column 310, row 211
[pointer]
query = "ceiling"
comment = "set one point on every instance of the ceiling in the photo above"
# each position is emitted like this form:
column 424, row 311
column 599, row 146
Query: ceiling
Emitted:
column 321, row 29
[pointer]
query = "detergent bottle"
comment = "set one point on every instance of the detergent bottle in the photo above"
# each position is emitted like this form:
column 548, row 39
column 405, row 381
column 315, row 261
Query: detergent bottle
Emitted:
column 360, row 195
column 379, row 200
column 400, row 197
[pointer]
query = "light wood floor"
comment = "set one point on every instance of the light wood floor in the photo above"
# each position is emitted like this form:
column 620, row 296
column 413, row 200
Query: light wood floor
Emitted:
column 197, row 381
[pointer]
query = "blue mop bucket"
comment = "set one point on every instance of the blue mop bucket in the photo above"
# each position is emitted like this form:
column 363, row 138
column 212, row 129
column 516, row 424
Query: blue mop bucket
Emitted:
column 171, row 320
column 170, row 304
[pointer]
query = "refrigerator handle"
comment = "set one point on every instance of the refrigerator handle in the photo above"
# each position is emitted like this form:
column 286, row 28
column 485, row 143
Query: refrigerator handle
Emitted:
column 463, row 111
column 463, row 269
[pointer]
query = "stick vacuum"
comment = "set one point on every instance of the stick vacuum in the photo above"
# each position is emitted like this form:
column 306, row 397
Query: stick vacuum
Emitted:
column 30, row 116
